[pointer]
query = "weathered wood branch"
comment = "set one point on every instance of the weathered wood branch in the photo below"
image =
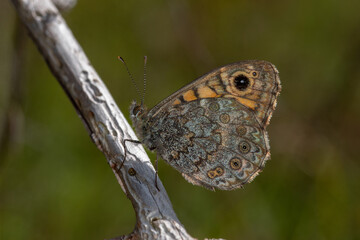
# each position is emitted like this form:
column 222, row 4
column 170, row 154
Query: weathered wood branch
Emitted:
column 106, row 124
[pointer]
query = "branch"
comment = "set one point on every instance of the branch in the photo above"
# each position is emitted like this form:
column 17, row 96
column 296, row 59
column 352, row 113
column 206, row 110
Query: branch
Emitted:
column 106, row 124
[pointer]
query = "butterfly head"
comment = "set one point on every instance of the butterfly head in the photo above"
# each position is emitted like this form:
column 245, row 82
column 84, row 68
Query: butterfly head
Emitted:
column 138, row 115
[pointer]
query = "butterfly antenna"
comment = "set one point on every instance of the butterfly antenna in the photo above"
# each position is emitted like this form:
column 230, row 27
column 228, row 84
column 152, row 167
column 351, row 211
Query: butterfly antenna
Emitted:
column 130, row 75
column 144, row 87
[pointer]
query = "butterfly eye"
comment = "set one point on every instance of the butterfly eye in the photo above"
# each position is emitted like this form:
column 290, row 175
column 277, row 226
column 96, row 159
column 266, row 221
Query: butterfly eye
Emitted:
column 136, row 110
column 241, row 82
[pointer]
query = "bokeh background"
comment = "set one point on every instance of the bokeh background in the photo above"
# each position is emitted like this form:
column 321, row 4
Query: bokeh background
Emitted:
column 55, row 184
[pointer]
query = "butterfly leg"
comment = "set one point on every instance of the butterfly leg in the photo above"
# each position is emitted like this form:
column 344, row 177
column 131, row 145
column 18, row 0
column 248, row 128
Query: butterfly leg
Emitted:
column 156, row 172
column 125, row 149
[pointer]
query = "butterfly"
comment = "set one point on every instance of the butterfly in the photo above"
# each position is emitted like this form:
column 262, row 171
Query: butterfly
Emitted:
column 213, row 130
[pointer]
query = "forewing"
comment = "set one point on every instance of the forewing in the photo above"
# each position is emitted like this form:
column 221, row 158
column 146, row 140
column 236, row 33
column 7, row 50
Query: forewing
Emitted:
column 259, row 96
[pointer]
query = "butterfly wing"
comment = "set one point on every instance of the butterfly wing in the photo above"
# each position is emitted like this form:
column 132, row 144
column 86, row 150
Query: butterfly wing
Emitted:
column 259, row 95
column 213, row 130
column 213, row 142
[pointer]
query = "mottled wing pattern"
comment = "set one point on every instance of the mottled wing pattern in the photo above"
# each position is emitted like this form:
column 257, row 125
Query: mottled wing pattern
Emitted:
column 215, row 143
column 213, row 129
column 260, row 95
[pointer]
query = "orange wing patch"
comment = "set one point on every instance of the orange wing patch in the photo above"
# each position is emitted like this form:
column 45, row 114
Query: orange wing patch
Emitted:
column 176, row 102
column 206, row 92
column 189, row 96
column 246, row 102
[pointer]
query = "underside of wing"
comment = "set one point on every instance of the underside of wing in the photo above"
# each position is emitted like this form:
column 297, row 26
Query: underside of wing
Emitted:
column 254, row 84
column 213, row 142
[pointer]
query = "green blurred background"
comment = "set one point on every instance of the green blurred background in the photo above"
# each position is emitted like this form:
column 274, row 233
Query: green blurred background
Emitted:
column 55, row 184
